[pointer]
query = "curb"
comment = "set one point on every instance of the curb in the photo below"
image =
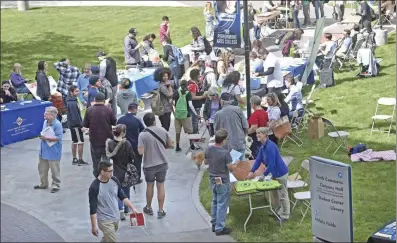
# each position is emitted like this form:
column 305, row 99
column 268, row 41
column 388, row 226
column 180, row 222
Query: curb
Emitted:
column 196, row 198
column 50, row 224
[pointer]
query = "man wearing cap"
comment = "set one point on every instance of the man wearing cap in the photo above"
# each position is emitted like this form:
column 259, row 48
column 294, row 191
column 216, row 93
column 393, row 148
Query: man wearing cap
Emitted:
column 134, row 127
column 232, row 119
column 99, row 119
column 131, row 49
column 108, row 70
column 96, row 87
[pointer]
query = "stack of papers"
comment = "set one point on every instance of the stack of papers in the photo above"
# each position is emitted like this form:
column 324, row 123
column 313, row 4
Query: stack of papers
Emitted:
column 48, row 132
column 235, row 155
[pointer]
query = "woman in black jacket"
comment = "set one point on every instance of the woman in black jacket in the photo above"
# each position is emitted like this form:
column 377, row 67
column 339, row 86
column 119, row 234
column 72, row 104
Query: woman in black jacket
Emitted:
column 120, row 151
column 43, row 85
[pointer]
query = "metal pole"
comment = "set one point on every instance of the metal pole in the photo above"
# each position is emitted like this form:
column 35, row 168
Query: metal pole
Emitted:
column 379, row 11
column 247, row 43
column 23, row 5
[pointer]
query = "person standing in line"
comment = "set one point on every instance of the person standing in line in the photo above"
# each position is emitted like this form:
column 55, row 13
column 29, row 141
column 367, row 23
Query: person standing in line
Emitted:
column 75, row 124
column 68, row 75
column 258, row 118
column 232, row 118
column 152, row 143
column 164, row 29
column 318, row 8
column 211, row 106
column 99, row 119
column 103, row 195
column 131, row 49
column 295, row 13
column 172, row 61
column 120, row 151
column 43, row 84
column 219, row 166
column 95, row 89
column 166, row 95
column 209, row 20
column 82, row 83
column 126, row 95
column 134, row 127
column 306, row 12
column 197, row 100
column 50, row 151
column 108, row 71
column 269, row 155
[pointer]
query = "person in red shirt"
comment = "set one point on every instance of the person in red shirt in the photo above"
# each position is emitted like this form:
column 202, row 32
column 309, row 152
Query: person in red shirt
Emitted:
column 258, row 118
column 198, row 97
column 165, row 30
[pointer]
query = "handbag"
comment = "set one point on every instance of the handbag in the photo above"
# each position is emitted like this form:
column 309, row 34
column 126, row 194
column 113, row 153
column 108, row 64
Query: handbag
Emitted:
column 131, row 176
column 282, row 127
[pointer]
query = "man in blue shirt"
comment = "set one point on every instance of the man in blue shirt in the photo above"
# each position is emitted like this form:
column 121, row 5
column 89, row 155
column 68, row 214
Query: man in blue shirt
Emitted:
column 83, row 82
column 270, row 156
column 134, row 126
column 50, row 150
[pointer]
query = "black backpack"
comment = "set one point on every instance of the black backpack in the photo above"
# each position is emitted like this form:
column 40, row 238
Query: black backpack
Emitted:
column 208, row 47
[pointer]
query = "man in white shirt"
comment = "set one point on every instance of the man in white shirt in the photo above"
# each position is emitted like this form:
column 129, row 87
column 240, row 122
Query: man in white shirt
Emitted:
column 271, row 69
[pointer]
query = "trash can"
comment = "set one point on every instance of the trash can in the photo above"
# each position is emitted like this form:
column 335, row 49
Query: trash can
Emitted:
column 381, row 37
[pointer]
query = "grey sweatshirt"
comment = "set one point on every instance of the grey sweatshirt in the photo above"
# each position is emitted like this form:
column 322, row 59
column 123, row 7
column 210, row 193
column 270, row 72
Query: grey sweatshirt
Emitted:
column 124, row 98
column 131, row 55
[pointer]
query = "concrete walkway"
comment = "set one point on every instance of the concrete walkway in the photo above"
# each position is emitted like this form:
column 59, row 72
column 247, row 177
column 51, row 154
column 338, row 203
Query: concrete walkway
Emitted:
column 67, row 212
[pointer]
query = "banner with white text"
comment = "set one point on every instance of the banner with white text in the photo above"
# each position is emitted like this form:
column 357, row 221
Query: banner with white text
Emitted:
column 227, row 24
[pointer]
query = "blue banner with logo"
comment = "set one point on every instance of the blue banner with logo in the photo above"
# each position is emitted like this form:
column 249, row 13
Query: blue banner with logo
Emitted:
column 227, row 26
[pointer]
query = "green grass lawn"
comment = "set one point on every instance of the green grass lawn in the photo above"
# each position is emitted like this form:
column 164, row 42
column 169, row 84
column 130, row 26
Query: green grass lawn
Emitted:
column 79, row 33
column 350, row 105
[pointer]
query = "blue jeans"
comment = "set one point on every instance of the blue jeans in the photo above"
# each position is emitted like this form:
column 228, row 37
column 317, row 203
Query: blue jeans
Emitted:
column 219, row 205
column 126, row 191
column 22, row 90
column 319, row 9
column 295, row 15
column 176, row 72
column 257, row 32
column 194, row 122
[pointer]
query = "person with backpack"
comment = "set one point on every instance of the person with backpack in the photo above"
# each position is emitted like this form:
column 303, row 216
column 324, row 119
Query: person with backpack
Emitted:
column 197, row 98
column 120, row 151
column 108, row 71
column 175, row 59
column 162, row 98
column 200, row 45
column 183, row 108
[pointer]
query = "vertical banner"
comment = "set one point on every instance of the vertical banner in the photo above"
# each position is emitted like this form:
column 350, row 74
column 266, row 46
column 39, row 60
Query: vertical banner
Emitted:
column 331, row 200
column 227, row 26
column 313, row 52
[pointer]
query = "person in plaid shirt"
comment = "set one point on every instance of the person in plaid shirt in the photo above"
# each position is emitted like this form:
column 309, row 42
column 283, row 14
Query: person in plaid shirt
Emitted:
column 68, row 75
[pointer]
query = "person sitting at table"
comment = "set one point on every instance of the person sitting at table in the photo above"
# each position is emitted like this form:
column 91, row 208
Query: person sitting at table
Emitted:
column 125, row 96
column 284, row 108
column 256, row 46
column 270, row 156
column 258, row 118
column 17, row 79
column 43, row 84
column 294, row 97
column 325, row 51
column 256, row 63
column 7, row 93
column 231, row 85
column 272, row 69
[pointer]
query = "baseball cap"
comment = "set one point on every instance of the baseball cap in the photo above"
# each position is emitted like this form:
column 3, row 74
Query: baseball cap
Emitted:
column 95, row 70
column 227, row 97
column 93, row 79
column 132, row 31
column 132, row 106
column 101, row 54
column 100, row 97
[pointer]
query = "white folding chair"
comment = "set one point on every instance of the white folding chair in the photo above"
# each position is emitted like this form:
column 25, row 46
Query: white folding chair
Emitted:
column 295, row 182
column 388, row 16
column 295, row 129
column 302, row 120
column 339, row 137
column 305, row 198
column 387, row 118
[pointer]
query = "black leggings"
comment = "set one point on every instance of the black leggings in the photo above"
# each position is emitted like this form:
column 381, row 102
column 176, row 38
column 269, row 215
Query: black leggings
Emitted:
column 165, row 120
column 274, row 139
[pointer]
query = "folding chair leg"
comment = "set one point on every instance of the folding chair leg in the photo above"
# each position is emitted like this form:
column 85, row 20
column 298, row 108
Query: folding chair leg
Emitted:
column 329, row 146
column 294, row 203
column 304, row 214
column 391, row 121
column 372, row 128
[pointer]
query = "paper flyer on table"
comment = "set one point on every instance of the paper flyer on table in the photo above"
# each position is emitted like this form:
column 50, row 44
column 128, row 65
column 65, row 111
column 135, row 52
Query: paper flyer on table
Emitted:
column 48, row 132
column 235, row 155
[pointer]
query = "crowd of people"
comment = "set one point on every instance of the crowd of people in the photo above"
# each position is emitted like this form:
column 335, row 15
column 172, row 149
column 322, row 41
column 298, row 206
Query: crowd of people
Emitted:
column 123, row 145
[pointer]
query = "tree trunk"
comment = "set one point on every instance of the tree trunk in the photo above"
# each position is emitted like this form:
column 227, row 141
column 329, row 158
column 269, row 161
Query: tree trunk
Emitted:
column 23, row 5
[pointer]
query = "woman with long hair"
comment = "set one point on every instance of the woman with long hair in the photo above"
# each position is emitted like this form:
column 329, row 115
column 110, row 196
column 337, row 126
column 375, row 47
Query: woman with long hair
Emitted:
column 231, row 85
column 147, row 43
column 284, row 108
column 17, row 79
column 120, row 151
column 256, row 46
column 209, row 20
column 273, row 112
column 198, row 46
column 43, row 84
column 166, row 96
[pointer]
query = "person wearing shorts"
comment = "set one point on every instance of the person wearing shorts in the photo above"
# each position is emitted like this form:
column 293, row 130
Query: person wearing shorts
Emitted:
column 152, row 143
column 186, row 123
column 75, row 124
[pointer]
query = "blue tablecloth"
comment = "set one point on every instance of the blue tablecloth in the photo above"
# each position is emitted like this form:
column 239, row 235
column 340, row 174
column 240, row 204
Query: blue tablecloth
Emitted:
column 21, row 121
column 143, row 82
column 299, row 70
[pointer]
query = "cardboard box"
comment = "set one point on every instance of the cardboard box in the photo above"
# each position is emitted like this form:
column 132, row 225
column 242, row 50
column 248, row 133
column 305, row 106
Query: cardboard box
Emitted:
column 315, row 128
